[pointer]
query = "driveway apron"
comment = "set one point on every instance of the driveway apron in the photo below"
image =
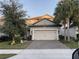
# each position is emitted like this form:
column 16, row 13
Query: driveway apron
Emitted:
column 46, row 44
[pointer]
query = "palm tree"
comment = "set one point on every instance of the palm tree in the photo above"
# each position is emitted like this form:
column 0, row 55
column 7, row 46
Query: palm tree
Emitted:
column 66, row 11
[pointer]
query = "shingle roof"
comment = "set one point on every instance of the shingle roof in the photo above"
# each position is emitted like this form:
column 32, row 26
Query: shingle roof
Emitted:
column 37, row 19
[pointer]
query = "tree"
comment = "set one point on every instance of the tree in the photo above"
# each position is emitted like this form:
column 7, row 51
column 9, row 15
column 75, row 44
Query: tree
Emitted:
column 60, row 16
column 14, row 19
column 65, row 12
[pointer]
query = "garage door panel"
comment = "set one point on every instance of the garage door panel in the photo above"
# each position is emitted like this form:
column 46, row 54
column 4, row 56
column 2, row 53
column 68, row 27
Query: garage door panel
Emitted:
column 45, row 35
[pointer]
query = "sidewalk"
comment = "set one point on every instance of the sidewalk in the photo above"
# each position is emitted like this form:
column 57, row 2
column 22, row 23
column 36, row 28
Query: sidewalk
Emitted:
column 44, row 54
column 10, row 51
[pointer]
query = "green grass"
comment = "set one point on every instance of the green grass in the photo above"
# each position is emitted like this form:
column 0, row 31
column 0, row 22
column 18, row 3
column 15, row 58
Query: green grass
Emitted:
column 4, row 56
column 6, row 45
column 70, row 44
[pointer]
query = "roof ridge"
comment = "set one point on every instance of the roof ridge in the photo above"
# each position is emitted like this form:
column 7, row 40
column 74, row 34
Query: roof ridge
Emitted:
column 41, row 16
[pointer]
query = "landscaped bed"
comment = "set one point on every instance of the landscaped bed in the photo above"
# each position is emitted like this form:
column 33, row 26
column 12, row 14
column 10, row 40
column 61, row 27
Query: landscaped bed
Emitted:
column 70, row 44
column 6, row 45
column 4, row 56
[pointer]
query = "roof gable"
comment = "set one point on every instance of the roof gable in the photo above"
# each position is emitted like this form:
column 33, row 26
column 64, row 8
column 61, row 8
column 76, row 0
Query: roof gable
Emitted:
column 44, row 22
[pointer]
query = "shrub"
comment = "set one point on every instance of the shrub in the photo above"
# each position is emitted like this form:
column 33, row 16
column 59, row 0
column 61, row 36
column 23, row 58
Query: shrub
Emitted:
column 29, row 38
column 77, row 38
column 61, row 37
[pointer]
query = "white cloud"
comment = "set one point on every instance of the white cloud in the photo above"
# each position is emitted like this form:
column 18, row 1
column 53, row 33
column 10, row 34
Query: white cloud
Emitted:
column 59, row 0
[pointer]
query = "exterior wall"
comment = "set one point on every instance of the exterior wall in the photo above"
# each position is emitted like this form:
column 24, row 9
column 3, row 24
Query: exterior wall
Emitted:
column 72, row 32
column 43, row 28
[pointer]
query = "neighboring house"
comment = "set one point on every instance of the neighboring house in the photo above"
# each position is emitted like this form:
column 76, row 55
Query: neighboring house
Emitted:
column 73, row 31
column 1, row 24
column 1, row 21
column 43, row 28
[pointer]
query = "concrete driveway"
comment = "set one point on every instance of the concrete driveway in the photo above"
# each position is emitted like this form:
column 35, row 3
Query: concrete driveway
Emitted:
column 46, row 44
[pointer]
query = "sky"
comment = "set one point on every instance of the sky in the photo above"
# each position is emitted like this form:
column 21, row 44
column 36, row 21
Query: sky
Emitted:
column 39, row 7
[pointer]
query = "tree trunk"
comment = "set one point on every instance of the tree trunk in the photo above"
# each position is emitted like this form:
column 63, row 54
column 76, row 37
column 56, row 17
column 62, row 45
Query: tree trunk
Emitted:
column 68, row 32
column 13, row 41
column 64, row 32
column 21, row 41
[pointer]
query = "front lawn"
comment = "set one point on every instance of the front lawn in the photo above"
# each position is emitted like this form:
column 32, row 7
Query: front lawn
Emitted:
column 4, row 56
column 71, row 44
column 6, row 45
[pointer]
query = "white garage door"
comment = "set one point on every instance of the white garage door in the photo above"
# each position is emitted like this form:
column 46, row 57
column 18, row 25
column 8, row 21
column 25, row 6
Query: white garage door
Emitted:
column 45, row 35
